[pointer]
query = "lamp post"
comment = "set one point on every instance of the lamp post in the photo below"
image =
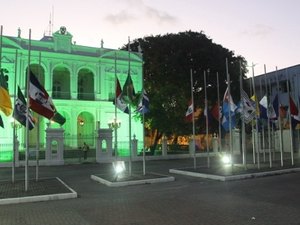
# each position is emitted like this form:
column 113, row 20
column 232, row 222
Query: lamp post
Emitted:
column 15, row 125
column 115, row 125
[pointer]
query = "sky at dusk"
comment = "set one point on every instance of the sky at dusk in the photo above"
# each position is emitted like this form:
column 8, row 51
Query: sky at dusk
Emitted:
column 263, row 31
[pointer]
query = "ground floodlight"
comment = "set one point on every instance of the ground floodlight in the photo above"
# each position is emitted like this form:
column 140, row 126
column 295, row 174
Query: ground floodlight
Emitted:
column 119, row 166
column 226, row 159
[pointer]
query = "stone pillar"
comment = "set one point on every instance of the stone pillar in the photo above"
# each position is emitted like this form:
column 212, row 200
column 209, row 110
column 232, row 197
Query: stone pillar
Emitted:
column 215, row 143
column 236, row 144
column 104, row 145
column 54, row 157
column 164, row 145
column 192, row 146
column 134, row 143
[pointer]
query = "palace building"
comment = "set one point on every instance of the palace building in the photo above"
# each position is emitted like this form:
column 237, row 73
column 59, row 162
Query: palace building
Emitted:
column 80, row 80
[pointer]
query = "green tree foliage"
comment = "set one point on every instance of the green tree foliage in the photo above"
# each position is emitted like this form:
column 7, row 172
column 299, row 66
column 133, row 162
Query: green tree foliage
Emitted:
column 168, row 60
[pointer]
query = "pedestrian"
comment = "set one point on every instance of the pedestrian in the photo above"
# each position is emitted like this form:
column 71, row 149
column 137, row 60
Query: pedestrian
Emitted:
column 85, row 149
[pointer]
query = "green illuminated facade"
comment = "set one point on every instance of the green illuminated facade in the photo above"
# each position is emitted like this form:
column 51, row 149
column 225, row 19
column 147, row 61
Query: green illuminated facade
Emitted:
column 81, row 81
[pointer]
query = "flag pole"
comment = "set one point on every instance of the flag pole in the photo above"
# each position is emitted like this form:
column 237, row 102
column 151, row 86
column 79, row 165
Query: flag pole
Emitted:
column 230, row 131
column 263, row 125
column 116, row 115
column 268, row 91
column 129, row 109
column 256, row 121
column 252, row 124
column 279, row 122
column 144, row 154
column 206, row 119
column 243, row 120
column 38, row 129
column 14, row 121
column 219, row 119
column 193, row 119
column 290, row 120
column 27, row 115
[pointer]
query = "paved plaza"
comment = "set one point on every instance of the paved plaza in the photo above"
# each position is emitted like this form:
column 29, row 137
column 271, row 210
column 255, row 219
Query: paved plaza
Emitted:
column 186, row 201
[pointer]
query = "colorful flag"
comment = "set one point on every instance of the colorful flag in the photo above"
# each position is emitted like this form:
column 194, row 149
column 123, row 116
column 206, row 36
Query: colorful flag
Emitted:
column 295, row 118
column 226, row 125
column 247, row 108
column 189, row 112
column 41, row 102
column 228, row 99
column 119, row 101
column 216, row 112
column 5, row 103
column 143, row 106
column 128, row 93
column 266, row 109
column 293, row 107
column 20, row 111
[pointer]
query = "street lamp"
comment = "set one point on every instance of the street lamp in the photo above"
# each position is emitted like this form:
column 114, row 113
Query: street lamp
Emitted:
column 114, row 124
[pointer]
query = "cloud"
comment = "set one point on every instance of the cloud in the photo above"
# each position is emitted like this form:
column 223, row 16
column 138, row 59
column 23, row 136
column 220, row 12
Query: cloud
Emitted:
column 138, row 10
column 121, row 17
column 258, row 30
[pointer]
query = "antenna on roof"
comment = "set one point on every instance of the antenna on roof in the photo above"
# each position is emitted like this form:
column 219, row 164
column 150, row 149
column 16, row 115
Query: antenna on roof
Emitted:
column 49, row 30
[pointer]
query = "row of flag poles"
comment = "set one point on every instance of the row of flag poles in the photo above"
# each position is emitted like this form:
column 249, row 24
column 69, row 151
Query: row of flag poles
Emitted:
column 124, row 100
column 38, row 100
column 252, row 112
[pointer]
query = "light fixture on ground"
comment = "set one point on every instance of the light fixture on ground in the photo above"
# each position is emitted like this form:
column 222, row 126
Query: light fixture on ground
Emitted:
column 226, row 159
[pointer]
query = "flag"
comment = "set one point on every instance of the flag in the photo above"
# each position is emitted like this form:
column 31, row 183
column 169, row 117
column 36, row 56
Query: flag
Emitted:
column 228, row 108
column 5, row 103
column 207, row 113
column 20, row 111
column 276, row 106
column 254, row 99
column 119, row 101
column 228, row 99
column 1, row 122
column 58, row 118
column 293, row 107
column 266, row 109
column 41, row 102
column 143, row 106
column 189, row 112
column 128, row 93
column 216, row 112
column 248, row 108
column 225, row 123
column 295, row 119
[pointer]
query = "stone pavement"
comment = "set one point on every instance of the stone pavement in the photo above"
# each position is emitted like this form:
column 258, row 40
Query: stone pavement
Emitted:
column 187, row 200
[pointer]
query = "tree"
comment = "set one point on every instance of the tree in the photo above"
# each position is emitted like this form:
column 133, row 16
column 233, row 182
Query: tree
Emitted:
column 168, row 60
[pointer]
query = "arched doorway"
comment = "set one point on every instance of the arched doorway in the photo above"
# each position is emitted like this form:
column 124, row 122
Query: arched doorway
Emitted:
column 85, row 129
column 61, row 83
column 86, row 85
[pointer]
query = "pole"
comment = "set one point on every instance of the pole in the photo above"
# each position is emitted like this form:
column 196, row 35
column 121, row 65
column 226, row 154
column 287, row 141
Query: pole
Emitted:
column 256, row 121
column 262, row 138
column 38, row 131
column 14, row 122
column 243, row 120
column 206, row 120
column 268, row 92
column 193, row 119
column 219, row 119
column 279, row 122
column 116, row 115
column 230, row 131
column 129, row 109
column 27, row 115
column 290, row 120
